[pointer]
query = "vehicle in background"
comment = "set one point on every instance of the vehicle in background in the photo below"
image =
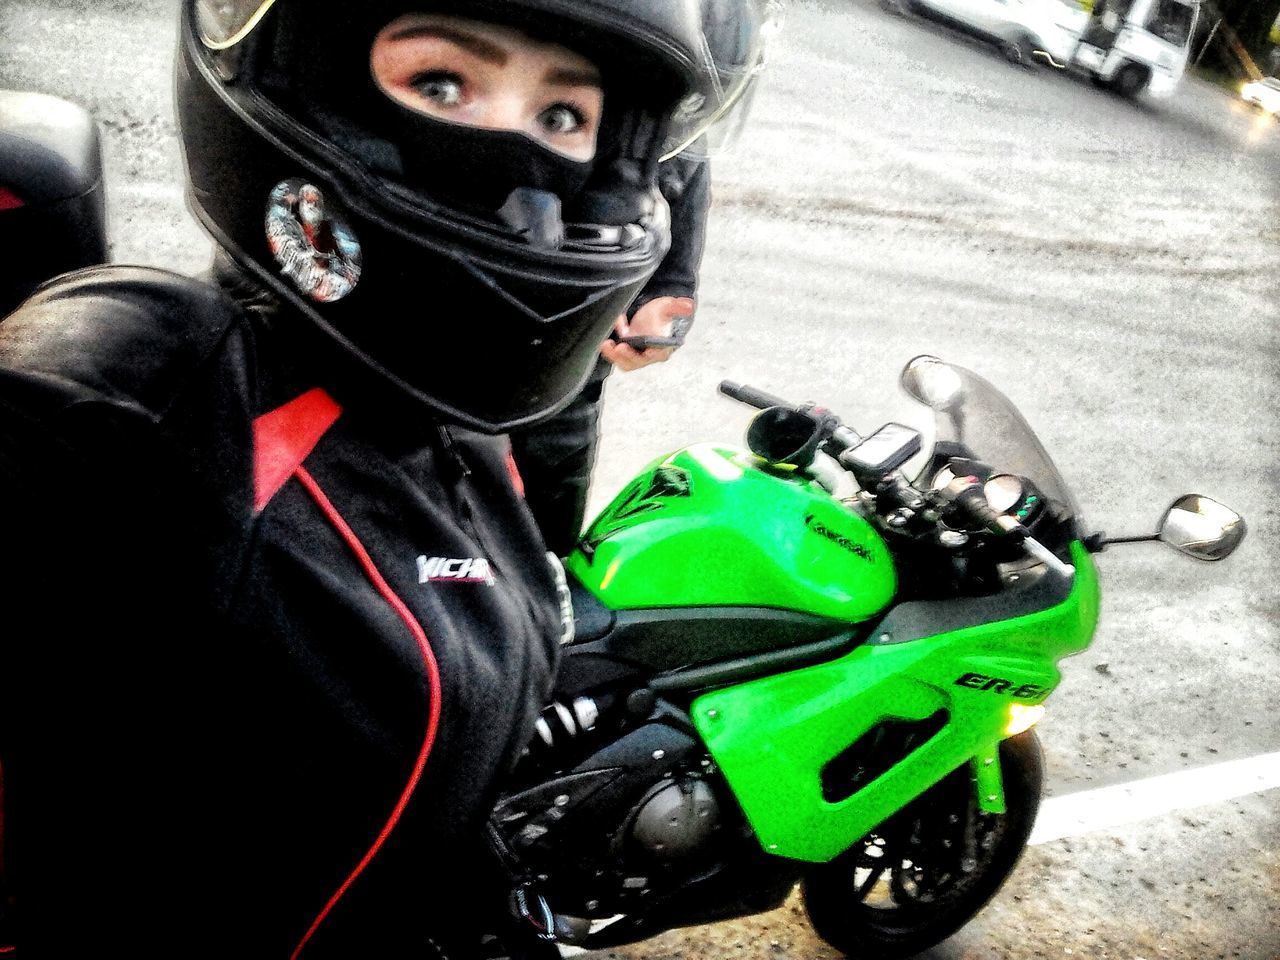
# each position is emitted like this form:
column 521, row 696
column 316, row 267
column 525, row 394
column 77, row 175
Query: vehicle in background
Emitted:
column 1131, row 46
column 1137, row 46
column 1263, row 94
column 1021, row 28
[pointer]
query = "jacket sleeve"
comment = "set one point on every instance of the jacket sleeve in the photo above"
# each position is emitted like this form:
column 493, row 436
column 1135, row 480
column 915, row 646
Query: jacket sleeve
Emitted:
column 104, row 727
column 685, row 181
column 87, row 674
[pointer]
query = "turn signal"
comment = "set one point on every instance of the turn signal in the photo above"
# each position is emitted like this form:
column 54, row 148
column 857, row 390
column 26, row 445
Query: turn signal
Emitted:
column 1022, row 717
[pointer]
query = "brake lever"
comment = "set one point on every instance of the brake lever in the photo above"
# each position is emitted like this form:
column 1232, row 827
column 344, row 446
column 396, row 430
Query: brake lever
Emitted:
column 1047, row 557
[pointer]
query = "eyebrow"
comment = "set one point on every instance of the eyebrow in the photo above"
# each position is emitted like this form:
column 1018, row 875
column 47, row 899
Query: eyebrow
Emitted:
column 562, row 76
column 477, row 45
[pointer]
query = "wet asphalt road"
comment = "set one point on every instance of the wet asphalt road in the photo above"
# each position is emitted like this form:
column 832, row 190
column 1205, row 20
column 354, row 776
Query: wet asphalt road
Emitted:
column 1111, row 266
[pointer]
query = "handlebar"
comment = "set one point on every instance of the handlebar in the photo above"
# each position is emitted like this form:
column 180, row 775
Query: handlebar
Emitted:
column 825, row 431
column 964, row 493
column 751, row 396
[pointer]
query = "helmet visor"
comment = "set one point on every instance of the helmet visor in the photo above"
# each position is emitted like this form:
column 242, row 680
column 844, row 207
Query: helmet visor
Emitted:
column 735, row 41
column 224, row 23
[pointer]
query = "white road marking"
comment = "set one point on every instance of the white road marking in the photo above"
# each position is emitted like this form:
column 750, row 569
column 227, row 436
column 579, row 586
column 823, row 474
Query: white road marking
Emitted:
column 1091, row 810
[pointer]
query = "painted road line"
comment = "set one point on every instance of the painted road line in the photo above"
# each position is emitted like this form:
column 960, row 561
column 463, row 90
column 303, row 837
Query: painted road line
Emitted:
column 1090, row 810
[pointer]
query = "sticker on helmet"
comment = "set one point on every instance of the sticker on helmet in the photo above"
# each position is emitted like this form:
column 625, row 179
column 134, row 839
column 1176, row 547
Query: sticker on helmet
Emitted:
column 313, row 245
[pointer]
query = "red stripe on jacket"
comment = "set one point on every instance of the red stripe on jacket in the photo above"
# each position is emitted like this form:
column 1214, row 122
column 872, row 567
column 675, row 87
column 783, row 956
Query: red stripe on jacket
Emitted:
column 433, row 682
column 513, row 470
column 283, row 439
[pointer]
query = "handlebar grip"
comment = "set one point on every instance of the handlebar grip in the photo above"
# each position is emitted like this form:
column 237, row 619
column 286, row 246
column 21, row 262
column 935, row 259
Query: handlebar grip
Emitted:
column 973, row 502
column 751, row 396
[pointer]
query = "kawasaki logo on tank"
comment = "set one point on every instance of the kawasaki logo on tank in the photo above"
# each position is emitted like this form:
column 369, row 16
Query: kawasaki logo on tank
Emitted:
column 822, row 530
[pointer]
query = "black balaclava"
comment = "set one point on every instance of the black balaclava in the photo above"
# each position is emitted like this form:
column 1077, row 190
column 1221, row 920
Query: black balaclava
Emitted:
column 438, row 156
column 330, row 79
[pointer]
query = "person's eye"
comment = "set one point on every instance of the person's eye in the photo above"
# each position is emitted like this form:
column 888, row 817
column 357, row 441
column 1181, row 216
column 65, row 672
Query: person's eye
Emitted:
column 562, row 118
column 439, row 86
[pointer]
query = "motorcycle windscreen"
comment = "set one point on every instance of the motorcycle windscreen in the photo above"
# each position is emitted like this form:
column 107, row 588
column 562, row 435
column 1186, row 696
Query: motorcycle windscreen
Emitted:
column 972, row 415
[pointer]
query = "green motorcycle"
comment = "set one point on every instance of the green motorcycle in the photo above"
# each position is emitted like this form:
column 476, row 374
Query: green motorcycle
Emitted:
column 795, row 665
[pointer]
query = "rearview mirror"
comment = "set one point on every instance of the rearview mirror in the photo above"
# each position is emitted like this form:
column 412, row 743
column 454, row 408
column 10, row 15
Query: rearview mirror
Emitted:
column 51, row 194
column 1201, row 527
column 932, row 382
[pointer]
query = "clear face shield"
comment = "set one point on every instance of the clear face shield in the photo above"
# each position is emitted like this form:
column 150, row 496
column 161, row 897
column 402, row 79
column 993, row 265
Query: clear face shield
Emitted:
column 709, row 122
column 222, row 24
column 736, row 39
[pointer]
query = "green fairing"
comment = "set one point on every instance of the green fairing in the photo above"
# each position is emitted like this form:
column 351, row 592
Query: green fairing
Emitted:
column 773, row 736
column 711, row 525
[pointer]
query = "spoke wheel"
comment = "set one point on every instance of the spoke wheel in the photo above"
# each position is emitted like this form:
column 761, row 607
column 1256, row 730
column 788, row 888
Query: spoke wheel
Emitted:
column 927, row 870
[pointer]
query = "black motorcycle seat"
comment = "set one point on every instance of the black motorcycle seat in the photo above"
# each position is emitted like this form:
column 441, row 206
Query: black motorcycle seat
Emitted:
column 591, row 618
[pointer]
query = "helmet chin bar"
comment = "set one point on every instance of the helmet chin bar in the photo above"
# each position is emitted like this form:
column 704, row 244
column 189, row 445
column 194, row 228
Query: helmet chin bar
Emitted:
column 534, row 215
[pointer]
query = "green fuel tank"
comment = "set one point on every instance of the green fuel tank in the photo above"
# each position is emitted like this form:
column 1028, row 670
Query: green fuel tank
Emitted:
column 713, row 525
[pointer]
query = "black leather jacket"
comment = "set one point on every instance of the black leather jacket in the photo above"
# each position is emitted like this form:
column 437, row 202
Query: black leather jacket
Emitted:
column 234, row 573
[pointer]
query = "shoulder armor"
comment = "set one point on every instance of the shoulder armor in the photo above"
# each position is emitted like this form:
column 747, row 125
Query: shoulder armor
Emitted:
column 125, row 334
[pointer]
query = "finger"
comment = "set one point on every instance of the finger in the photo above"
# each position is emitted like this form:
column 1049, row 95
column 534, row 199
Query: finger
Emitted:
column 621, row 355
column 656, row 355
column 682, row 306
column 651, row 320
column 648, row 358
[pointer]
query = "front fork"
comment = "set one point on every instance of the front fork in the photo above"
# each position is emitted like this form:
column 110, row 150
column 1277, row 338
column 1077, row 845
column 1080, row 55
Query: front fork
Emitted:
column 987, row 780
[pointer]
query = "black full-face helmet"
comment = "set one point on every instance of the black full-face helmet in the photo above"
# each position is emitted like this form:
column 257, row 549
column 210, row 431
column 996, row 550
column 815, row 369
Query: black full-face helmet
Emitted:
column 477, row 269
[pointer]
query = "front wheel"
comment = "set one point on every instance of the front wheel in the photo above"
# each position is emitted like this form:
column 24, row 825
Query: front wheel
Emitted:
column 1130, row 80
column 1019, row 51
column 928, row 869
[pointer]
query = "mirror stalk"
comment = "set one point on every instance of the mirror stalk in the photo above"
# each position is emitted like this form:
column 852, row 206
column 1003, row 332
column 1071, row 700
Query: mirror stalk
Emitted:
column 1193, row 525
column 1149, row 538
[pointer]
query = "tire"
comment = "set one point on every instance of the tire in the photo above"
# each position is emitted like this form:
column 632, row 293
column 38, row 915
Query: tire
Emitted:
column 1019, row 50
column 1130, row 80
column 943, row 859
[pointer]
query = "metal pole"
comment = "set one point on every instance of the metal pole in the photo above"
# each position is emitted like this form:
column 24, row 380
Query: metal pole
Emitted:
column 1208, row 40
